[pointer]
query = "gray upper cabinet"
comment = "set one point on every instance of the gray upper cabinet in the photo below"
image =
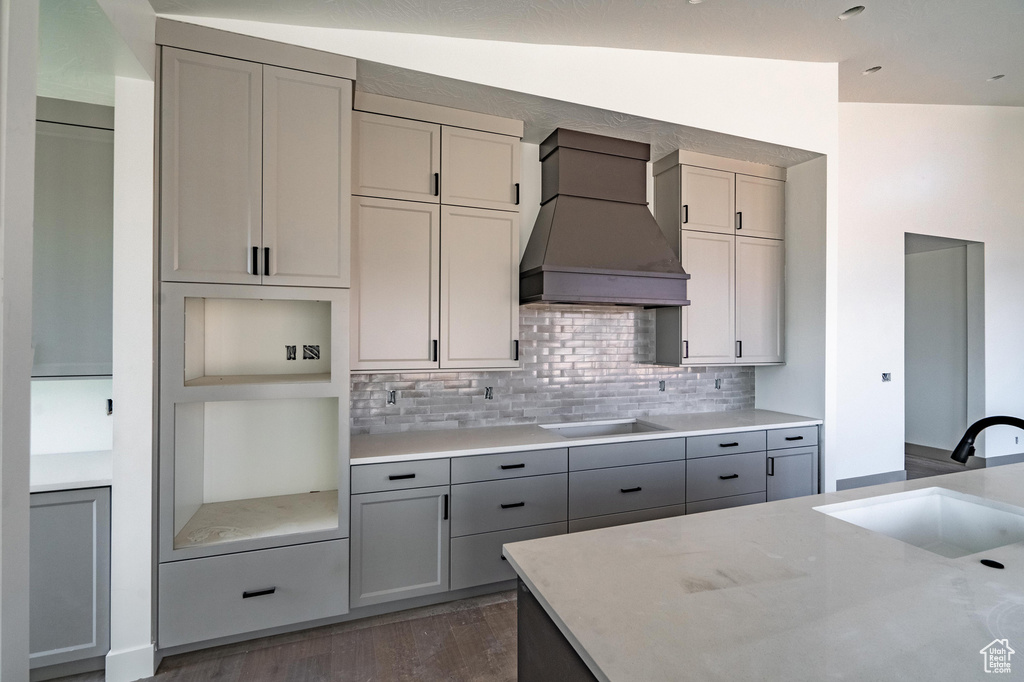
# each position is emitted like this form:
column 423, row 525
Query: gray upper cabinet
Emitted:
column 72, row 267
column 255, row 173
column 396, row 158
column 400, row 543
column 479, row 169
column 69, row 559
column 709, row 323
column 396, row 248
column 760, row 297
column 479, row 288
column 760, row 207
column 707, row 199
column 306, row 178
column 211, row 143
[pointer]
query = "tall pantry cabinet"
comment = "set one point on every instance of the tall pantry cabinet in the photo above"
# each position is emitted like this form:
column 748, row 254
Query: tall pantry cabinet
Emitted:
column 435, row 240
column 255, row 208
column 725, row 218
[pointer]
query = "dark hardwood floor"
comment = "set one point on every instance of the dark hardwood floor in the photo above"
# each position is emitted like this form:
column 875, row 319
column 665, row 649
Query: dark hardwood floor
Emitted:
column 922, row 467
column 472, row 640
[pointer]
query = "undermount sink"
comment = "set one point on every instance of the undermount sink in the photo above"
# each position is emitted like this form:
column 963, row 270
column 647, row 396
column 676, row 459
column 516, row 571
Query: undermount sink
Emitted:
column 942, row 521
column 617, row 427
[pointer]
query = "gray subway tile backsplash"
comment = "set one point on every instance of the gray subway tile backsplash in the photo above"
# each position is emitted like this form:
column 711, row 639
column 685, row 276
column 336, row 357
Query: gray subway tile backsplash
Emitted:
column 577, row 363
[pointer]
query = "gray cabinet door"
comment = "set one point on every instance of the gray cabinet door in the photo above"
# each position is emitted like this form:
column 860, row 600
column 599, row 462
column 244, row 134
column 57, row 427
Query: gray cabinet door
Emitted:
column 761, row 203
column 792, row 473
column 399, row 544
column 396, row 248
column 211, row 190
column 479, row 169
column 708, row 200
column 709, row 322
column 479, row 288
column 396, row 158
column 760, row 298
column 306, row 178
column 69, row 559
column 72, row 264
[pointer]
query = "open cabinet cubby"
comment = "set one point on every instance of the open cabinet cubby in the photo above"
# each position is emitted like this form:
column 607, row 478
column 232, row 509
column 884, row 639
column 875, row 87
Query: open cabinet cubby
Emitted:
column 247, row 470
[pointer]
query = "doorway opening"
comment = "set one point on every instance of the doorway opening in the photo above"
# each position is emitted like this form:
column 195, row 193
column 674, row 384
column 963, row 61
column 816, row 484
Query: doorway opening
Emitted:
column 944, row 349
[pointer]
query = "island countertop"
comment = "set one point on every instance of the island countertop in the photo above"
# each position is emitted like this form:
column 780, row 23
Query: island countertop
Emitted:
column 397, row 447
column 780, row 591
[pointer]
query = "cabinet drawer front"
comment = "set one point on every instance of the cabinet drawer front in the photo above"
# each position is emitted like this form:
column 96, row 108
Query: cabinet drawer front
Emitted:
column 623, row 454
column 497, row 505
column 724, row 502
column 725, row 444
column 477, row 559
column 370, row 478
column 724, row 476
column 203, row 599
column 509, row 465
column 620, row 489
column 793, row 438
column 609, row 520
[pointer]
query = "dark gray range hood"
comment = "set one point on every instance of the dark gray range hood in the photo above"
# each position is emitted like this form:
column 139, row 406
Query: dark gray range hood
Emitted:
column 595, row 241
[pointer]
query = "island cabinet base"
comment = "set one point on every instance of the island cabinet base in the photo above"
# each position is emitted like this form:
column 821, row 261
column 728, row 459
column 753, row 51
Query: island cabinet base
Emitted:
column 544, row 652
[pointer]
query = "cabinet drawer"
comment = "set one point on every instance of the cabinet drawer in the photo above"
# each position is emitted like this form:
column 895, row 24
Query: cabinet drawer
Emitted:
column 371, row 478
column 620, row 489
column 724, row 502
column 203, row 599
column 609, row 520
column 725, row 444
column 724, row 476
column 477, row 559
column 509, row 465
column 623, row 454
column 793, row 438
column 497, row 505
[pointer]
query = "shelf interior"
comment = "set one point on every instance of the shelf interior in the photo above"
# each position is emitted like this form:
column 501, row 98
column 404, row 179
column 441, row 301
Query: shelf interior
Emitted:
column 243, row 379
column 260, row 517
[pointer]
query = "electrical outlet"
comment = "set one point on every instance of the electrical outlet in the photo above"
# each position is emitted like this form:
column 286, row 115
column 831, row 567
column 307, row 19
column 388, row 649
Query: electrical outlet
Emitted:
column 886, row 377
column 392, row 397
column 661, row 385
column 289, row 352
column 311, row 352
column 488, row 393
column 718, row 384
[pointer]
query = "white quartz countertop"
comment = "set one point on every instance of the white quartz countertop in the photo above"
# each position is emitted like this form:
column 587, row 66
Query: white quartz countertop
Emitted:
column 397, row 447
column 780, row 591
column 69, row 470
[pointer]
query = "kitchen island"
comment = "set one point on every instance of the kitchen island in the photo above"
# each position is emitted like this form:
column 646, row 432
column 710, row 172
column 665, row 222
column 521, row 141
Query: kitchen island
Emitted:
column 778, row 591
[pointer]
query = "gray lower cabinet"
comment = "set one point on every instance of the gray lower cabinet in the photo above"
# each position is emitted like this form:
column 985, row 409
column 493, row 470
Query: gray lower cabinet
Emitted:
column 220, row 596
column 514, row 503
column 597, row 492
column 400, row 543
column 477, row 559
column 69, row 560
column 725, row 476
column 792, row 472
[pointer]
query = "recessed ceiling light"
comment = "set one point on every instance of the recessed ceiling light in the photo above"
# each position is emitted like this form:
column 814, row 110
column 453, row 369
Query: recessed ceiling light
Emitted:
column 852, row 12
column 996, row 77
column 873, row 69
column 696, row 2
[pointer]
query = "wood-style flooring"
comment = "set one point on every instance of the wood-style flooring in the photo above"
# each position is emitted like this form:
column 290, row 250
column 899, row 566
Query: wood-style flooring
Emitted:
column 923, row 467
column 472, row 640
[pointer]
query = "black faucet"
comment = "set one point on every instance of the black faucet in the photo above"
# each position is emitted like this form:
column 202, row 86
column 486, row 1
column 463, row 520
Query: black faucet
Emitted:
column 965, row 448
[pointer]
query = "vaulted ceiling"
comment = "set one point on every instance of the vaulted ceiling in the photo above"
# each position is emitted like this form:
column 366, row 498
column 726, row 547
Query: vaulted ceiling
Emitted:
column 930, row 51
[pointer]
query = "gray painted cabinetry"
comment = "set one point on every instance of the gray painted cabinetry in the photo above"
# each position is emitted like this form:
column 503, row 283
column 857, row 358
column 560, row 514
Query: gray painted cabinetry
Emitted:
column 792, row 463
column 69, row 560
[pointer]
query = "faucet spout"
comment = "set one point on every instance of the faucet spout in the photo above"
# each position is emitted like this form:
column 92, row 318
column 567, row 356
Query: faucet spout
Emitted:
column 965, row 448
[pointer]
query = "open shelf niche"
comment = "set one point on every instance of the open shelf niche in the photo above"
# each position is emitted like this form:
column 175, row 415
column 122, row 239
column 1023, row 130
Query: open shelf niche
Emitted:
column 254, row 469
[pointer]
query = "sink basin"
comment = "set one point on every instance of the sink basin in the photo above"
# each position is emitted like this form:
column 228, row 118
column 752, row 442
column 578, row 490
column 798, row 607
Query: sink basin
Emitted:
column 942, row 521
column 617, row 427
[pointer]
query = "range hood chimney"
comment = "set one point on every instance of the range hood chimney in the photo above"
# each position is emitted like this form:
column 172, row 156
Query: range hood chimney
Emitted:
column 595, row 241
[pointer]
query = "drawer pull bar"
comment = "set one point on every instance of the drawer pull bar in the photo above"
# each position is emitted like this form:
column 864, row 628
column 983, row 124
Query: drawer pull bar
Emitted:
column 726, row 478
column 630, row 490
column 727, row 445
column 401, row 477
column 794, row 437
column 259, row 593
column 503, row 558
column 512, row 466
column 514, row 504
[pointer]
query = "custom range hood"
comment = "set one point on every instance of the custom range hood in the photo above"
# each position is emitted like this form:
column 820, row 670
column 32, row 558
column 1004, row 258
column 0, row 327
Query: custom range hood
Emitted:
column 595, row 241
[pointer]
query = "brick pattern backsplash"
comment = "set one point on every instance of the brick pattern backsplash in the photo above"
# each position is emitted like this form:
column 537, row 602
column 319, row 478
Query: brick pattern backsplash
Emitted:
column 578, row 363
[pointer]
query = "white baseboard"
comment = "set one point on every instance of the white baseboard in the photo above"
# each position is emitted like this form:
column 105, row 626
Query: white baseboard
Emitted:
column 129, row 665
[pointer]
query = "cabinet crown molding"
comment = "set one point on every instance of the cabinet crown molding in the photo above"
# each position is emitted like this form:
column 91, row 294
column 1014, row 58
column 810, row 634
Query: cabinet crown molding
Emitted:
column 197, row 38
column 688, row 158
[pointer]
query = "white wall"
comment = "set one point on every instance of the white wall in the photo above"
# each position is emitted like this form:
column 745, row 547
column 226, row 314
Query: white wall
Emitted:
column 936, row 347
column 949, row 171
column 70, row 415
column 18, row 39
